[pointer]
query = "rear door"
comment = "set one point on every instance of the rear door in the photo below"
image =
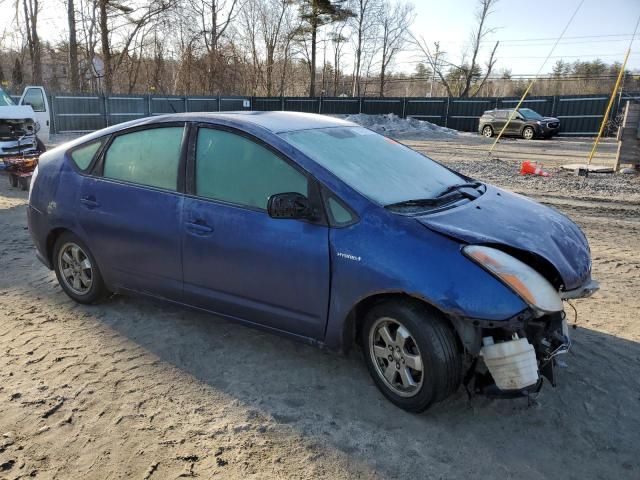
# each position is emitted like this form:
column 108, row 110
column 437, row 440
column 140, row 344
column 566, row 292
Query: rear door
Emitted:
column 516, row 124
column 36, row 97
column 239, row 261
column 130, row 210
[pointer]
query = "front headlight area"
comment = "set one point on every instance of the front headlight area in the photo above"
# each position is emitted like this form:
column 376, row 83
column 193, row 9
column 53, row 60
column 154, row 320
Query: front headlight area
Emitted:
column 527, row 283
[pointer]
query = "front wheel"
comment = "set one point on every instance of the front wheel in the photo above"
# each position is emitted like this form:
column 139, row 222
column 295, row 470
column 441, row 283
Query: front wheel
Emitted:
column 13, row 180
column 77, row 270
column 411, row 353
column 528, row 133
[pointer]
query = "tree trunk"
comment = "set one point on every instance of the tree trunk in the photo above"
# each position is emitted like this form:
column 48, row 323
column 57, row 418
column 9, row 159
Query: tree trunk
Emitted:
column 312, row 81
column 74, row 77
column 106, row 49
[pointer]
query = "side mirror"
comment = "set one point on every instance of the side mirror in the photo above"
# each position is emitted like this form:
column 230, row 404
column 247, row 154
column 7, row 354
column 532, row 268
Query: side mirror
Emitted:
column 289, row 205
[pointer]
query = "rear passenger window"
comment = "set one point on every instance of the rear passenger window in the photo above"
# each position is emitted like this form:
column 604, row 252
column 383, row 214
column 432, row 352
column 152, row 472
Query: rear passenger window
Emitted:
column 83, row 155
column 234, row 169
column 147, row 157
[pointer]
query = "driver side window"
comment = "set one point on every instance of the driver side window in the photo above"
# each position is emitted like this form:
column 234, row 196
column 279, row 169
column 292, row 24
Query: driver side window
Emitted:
column 235, row 169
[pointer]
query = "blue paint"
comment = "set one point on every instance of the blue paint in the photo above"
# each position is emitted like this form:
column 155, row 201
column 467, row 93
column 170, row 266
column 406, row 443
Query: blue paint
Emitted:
column 293, row 276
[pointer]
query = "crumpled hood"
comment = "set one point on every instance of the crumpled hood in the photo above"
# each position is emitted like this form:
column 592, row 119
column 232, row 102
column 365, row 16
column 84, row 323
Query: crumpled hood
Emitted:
column 502, row 218
column 17, row 112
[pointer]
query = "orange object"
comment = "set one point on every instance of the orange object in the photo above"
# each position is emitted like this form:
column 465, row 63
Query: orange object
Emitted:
column 531, row 168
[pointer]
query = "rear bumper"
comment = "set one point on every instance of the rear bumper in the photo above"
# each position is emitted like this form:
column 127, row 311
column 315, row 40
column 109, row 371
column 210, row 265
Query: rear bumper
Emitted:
column 38, row 231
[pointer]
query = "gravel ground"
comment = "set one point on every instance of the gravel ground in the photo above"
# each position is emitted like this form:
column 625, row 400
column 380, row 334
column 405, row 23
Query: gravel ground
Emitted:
column 138, row 389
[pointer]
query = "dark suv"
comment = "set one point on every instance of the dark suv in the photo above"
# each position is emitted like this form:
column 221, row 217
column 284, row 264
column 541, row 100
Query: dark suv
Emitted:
column 526, row 123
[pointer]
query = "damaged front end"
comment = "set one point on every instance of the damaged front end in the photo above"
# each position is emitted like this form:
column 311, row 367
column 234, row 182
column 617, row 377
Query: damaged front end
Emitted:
column 509, row 358
column 17, row 136
column 513, row 359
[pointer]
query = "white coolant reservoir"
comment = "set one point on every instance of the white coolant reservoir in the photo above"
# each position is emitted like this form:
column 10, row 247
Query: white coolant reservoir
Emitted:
column 512, row 364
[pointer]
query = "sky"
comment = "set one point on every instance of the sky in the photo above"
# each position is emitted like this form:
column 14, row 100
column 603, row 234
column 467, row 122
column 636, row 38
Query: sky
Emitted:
column 604, row 29
column 526, row 30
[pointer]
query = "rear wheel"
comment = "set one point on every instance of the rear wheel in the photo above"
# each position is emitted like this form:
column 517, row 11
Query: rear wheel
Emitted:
column 13, row 180
column 528, row 133
column 487, row 131
column 411, row 354
column 40, row 146
column 77, row 270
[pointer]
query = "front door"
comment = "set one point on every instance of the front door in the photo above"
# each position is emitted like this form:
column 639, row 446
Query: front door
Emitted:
column 37, row 99
column 237, row 260
column 130, row 211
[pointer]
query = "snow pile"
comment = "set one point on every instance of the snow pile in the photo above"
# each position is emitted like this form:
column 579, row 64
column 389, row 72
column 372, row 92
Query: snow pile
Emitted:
column 392, row 125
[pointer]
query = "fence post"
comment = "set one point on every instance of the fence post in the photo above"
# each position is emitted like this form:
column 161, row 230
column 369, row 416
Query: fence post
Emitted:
column 404, row 107
column 553, row 106
column 54, row 124
column 105, row 101
column 446, row 113
column 219, row 103
column 320, row 104
column 359, row 105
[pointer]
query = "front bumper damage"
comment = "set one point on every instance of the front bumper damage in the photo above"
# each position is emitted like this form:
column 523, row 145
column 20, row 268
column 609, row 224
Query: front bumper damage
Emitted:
column 548, row 335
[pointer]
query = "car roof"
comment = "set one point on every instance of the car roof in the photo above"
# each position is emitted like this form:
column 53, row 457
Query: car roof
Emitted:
column 275, row 122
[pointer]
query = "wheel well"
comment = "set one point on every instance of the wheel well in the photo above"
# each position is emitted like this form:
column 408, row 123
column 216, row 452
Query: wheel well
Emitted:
column 51, row 241
column 355, row 318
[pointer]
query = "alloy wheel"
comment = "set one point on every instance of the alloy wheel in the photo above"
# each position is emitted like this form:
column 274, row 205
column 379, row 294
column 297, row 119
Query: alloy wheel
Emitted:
column 527, row 133
column 75, row 268
column 396, row 356
column 487, row 132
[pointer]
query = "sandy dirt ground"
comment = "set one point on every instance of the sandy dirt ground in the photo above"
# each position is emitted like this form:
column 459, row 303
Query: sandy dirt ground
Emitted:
column 138, row 389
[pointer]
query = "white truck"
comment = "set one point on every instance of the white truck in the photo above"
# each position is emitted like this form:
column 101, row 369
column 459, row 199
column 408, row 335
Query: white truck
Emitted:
column 24, row 128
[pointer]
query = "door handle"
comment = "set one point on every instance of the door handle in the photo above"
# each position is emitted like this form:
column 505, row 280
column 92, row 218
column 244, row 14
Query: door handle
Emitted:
column 89, row 202
column 198, row 226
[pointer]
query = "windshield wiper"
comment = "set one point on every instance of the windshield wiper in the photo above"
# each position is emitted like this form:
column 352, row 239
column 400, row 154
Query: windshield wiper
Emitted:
column 459, row 187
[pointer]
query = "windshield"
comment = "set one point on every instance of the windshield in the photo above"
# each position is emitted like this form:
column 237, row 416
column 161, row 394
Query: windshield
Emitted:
column 381, row 169
column 530, row 114
column 5, row 100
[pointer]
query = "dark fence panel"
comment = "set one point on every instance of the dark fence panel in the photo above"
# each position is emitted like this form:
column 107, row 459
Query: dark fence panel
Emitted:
column 340, row 106
column 232, row 104
column 78, row 113
column 267, row 104
column 580, row 115
column 432, row 110
column 464, row 112
column 308, row 105
column 123, row 108
column 378, row 106
column 203, row 104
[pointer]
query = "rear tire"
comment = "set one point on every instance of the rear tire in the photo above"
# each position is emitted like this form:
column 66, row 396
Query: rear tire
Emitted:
column 528, row 133
column 487, row 131
column 416, row 361
column 13, row 180
column 77, row 270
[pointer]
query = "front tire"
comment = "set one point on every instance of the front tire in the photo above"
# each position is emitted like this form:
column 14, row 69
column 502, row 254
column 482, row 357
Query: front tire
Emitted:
column 13, row 180
column 77, row 270
column 411, row 353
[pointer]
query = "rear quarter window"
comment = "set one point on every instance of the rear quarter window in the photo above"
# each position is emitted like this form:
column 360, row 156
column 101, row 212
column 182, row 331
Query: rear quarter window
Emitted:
column 84, row 155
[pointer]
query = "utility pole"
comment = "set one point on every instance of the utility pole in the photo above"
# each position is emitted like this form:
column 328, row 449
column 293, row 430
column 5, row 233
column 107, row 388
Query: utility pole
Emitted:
column 434, row 67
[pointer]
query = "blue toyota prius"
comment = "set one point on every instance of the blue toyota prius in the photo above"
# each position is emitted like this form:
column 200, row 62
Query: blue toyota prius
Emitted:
column 320, row 229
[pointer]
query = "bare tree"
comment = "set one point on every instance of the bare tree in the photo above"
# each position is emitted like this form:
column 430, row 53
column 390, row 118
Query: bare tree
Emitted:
column 365, row 23
column 459, row 78
column 31, row 9
column 395, row 20
column 338, row 40
column 74, row 77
